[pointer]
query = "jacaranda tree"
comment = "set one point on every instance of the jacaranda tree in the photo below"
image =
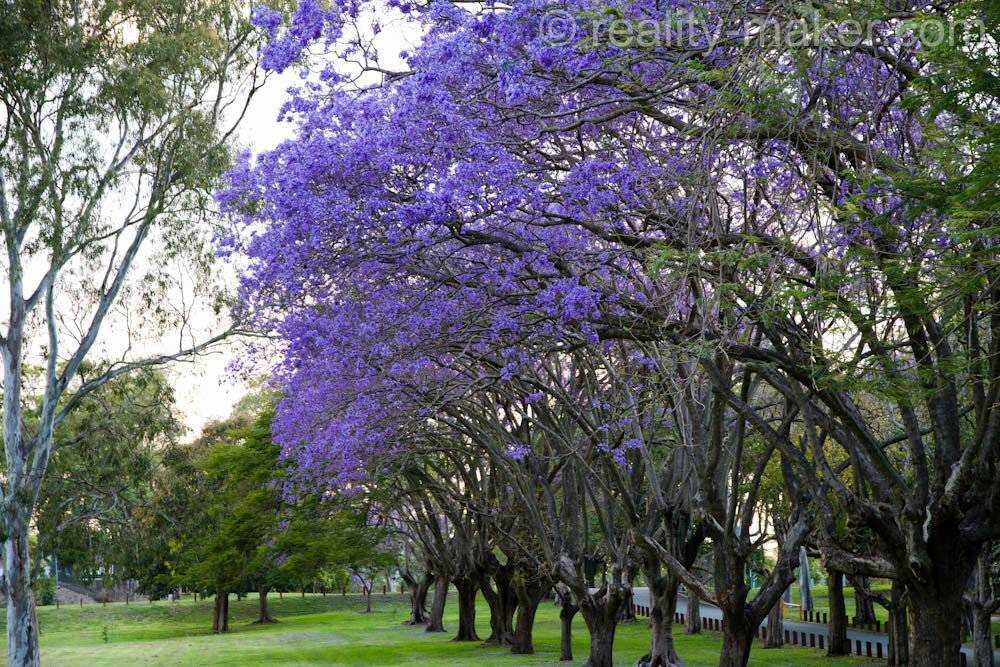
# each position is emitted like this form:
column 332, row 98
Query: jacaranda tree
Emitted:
column 786, row 218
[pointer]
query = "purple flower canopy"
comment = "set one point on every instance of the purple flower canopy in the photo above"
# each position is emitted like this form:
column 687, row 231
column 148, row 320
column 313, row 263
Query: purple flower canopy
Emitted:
column 506, row 197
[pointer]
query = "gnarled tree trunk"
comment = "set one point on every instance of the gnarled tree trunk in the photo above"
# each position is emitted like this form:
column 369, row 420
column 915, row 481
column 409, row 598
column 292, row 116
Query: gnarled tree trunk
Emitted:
column 466, row 588
column 982, row 639
column 899, row 653
column 435, row 623
column 502, row 603
column 418, row 599
column 663, row 606
column 529, row 595
column 692, row 618
column 864, row 606
column 935, row 624
column 567, row 611
column 837, row 623
column 735, row 649
column 776, row 626
column 983, row 605
column 600, row 611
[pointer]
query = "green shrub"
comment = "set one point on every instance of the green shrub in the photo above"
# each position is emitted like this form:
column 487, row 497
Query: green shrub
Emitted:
column 45, row 591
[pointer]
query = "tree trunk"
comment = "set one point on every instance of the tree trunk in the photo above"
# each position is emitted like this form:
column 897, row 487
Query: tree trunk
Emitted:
column 776, row 626
column 502, row 603
column 418, row 599
column 837, row 623
column 935, row 637
column 735, row 648
column 529, row 595
column 263, row 616
column 466, row 610
column 602, row 628
column 982, row 607
column 864, row 606
column 982, row 639
column 627, row 612
column 523, row 643
column 220, row 614
column 566, row 613
column 436, row 621
column 899, row 654
column 692, row 619
column 22, row 624
column 663, row 606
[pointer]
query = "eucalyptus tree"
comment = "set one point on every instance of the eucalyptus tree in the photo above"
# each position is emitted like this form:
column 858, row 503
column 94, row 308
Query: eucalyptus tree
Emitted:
column 114, row 122
column 106, row 460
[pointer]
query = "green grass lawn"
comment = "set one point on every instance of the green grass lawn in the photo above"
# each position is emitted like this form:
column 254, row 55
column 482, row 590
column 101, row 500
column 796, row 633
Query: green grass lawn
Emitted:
column 821, row 601
column 317, row 630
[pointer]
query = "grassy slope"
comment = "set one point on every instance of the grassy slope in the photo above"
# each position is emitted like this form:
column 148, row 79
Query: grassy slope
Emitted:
column 330, row 631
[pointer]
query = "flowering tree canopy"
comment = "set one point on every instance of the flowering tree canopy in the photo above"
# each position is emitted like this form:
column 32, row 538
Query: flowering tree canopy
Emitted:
column 720, row 205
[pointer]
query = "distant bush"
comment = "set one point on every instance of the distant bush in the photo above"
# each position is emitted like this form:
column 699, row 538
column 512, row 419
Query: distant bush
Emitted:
column 45, row 591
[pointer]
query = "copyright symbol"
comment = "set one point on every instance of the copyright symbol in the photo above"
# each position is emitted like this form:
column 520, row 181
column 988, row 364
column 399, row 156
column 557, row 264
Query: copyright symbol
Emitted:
column 557, row 28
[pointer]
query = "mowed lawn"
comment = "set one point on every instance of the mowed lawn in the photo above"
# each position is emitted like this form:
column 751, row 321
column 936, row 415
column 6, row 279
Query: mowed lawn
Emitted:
column 821, row 600
column 331, row 630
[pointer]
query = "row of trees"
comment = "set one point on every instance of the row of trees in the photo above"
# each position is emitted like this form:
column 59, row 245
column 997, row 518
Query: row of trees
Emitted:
column 585, row 300
column 221, row 523
column 126, row 502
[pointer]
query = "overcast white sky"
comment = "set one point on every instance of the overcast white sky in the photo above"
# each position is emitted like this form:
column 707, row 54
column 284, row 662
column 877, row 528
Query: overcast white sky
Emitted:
column 205, row 390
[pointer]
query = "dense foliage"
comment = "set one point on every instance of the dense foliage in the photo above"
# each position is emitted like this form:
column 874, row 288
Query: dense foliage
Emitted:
column 545, row 273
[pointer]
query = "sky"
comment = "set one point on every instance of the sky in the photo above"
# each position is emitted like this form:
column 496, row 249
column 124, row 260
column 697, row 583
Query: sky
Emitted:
column 205, row 389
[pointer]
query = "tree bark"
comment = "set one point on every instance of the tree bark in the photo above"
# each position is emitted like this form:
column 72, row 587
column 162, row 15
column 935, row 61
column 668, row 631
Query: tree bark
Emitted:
column 600, row 612
column 602, row 621
column 663, row 606
column 776, row 626
column 567, row 612
column 837, row 623
column 418, row 599
column 503, row 604
column 602, row 641
column 22, row 623
column 735, row 649
column 263, row 616
column 864, row 606
column 982, row 639
column 217, row 613
column 466, row 610
column 983, row 605
column 529, row 595
column 935, row 637
column 220, row 615
column 692, row 619
column 899, row 654
column 435, row 623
